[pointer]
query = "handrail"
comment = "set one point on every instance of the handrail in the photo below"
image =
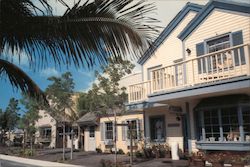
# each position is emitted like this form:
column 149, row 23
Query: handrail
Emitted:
column 167, row 77
column 205, row 55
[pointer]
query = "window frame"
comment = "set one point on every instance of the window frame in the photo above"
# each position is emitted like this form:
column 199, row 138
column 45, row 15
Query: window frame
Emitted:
column 161, row 117
column 202, row 133
column 206, row 41
column 92, row 131
column 110, row 131
column 136, row 129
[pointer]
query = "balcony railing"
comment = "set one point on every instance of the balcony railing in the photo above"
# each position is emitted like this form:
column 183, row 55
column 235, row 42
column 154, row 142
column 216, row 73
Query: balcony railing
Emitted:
column 224, row 64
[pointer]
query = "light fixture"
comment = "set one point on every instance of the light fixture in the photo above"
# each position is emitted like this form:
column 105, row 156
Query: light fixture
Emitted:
column 188, row 50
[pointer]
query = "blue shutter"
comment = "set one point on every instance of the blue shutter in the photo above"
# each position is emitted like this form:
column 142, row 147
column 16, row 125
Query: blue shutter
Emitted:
column 237, row 39
column 200, row 51
column 123, row 131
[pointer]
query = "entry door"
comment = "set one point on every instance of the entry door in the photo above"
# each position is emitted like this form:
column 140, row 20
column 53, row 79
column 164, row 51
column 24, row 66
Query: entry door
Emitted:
column 91, row 143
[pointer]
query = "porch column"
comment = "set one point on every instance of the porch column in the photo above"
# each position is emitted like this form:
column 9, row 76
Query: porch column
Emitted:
column 240, row 120
column 203, row 126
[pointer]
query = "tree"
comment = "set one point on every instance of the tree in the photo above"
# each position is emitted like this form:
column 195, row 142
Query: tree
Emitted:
column 107, row 95
column 59, row 95
column 84, row 35
column 9, row 118
column 28, row 120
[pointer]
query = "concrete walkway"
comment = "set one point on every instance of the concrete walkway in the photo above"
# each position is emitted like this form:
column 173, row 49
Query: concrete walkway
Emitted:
column 34, row 162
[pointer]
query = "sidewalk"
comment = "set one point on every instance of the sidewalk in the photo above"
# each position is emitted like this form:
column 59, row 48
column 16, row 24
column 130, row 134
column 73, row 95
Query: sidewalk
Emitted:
column 35, row 162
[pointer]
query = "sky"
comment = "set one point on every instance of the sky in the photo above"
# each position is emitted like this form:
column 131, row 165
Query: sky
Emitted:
column 83, row 78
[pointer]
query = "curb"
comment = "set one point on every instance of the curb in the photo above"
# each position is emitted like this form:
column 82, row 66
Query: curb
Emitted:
column 35, row 162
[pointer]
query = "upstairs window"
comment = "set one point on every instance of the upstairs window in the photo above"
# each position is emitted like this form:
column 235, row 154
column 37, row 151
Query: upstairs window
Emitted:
column 218, row 44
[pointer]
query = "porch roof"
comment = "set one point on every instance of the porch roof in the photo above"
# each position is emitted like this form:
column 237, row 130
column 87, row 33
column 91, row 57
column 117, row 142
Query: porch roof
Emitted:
column 89, row 118
column 229, row 100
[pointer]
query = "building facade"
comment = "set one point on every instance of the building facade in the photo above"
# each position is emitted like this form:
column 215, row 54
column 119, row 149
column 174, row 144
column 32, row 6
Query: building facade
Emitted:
column 195, row 87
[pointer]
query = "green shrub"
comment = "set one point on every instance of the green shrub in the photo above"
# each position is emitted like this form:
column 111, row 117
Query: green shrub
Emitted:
column 98, row 150
column 139, row 154
column 120, row 151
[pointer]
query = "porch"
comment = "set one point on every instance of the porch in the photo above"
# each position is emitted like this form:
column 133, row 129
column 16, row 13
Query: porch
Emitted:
column 224, row 65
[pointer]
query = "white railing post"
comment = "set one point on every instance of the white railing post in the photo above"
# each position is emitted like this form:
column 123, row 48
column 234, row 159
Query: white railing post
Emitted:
column 247, row 57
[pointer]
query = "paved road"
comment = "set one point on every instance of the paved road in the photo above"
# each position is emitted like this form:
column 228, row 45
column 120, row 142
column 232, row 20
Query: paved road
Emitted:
column 4, row 163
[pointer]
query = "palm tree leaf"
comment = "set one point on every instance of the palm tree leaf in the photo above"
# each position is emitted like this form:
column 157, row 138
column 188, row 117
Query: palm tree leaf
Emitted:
column 85, row 35
column 20, row 80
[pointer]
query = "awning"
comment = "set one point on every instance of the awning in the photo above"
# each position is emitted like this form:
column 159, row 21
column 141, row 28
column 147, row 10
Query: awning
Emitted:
column 223, row 101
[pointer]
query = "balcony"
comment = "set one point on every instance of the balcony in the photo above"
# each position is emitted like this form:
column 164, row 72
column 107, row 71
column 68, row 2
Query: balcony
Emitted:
column 206, row 69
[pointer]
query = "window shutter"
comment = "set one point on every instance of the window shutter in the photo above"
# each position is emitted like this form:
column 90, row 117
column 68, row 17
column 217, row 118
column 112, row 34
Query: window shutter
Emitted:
column 140, row 129
column 115, row 130
column 102, row 129
column 123, row 131
column 237, row 39
column 200, row 50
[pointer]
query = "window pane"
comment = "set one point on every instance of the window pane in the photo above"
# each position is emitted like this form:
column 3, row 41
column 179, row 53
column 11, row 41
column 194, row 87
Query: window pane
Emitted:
column 109, row 130
column 246, row 122
column 230, row 124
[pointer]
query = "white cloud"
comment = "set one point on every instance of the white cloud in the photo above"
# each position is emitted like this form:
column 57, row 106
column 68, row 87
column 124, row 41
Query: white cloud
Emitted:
column 49, row 72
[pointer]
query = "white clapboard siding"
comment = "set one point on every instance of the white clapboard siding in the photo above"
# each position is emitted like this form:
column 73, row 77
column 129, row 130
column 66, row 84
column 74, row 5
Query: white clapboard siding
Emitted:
column 170, row 49
column 216, row 23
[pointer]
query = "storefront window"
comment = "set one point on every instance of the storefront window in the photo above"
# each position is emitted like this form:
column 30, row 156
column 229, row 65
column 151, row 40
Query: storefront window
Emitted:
column 211, row 124
column 246, row 122
column 223, row 124
column 230, row 124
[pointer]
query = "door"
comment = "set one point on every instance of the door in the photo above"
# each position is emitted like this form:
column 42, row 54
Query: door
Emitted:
column 91, row 142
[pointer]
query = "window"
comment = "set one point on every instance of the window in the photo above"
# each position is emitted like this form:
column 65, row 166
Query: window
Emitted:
column 218, row 44
column 223, row 124
column 211, row 124
column 91, row 131
column 157, row 128
column 46, row 132
column 133, row 129
column 229, row 123
column 109, row 130
column 246, row 122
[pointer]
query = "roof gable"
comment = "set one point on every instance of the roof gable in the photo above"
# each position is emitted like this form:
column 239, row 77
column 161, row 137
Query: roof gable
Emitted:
column 219, row 4
column 170, row 27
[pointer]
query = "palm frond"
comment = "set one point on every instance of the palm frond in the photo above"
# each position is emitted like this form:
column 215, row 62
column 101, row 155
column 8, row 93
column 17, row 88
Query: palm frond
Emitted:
column 20, row 80
column 84, row 35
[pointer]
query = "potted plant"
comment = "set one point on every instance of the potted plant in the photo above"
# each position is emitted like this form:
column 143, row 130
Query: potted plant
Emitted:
column 217, row 159
column 197, row 159
column 238, row 161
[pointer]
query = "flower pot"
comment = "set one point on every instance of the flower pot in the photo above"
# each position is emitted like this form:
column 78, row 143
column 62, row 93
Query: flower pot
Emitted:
column 168, row 155
column 239, row 164
column 198, row 162
column 217, row 164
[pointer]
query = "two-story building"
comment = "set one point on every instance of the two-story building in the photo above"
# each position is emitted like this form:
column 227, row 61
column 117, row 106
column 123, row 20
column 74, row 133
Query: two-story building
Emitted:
column 195, row 87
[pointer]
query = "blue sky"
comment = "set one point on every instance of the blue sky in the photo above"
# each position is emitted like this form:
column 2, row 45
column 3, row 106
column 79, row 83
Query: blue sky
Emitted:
column 83, row 79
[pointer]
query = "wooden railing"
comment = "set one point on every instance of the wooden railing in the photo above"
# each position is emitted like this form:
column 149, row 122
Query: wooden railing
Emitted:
column 224, row 64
